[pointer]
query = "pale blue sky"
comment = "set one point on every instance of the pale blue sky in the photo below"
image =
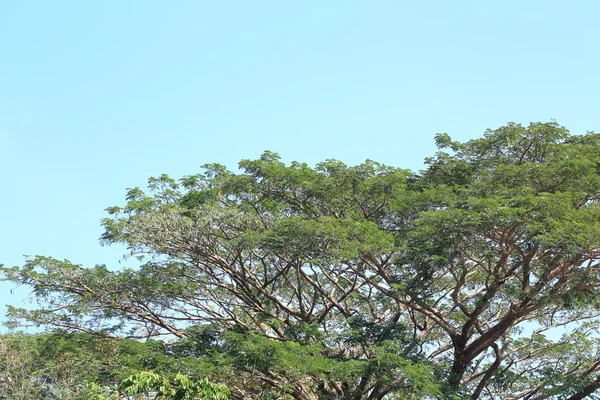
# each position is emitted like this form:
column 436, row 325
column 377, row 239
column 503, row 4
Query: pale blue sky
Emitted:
column 97, row 96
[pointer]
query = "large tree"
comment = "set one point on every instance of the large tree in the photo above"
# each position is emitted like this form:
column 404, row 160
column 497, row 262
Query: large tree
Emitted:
column 475, row 278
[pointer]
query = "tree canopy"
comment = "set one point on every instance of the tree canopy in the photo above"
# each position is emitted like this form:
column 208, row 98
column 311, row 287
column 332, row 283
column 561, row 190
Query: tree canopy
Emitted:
column 474, row 278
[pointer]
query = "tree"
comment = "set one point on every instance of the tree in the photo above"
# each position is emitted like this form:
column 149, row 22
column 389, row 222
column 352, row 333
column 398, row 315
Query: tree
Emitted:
column 475, row 278
column 151, row 384
column 82, row 366
column 57, row 365
column 16, row 363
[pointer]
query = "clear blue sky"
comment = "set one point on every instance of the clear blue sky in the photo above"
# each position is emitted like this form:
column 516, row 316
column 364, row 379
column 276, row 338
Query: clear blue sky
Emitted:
column 97, row 96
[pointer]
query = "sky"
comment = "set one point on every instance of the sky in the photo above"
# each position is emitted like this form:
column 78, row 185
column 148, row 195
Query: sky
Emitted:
column 95, row 97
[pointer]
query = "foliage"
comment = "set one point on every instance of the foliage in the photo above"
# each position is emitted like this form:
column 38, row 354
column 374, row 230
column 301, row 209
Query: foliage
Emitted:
column 80, row 366
column 56, row 365
column 152, row 384
column 17, row 358
column 470, row 279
